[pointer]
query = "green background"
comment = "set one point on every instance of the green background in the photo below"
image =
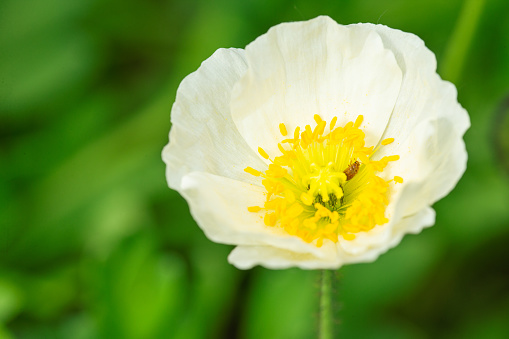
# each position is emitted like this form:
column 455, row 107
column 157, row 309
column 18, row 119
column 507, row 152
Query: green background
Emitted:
column 93, row 244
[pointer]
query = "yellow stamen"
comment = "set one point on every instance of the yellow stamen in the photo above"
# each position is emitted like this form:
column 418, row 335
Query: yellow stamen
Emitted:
column 296, row 133
column 387, row 141
column 275, row 171
column 308, row 194
column 263, row 153
column 358, row 121
column 295, row 210
column 333, row 123
column 270, row 219
column 254, row 209
column 282, row 129
column 306, row 199
column 349, row 236
column 252, row 171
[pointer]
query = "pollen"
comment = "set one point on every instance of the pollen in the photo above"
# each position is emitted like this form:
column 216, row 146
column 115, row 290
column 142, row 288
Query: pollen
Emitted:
column 325, row 185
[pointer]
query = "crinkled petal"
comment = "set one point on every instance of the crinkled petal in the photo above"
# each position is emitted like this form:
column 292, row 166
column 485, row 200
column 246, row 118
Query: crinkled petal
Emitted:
column 427, row 123
column 246, row 257
column 423, row 95
column 433, row 160
column 368, row 246
column 219, row 206
column 300, row 69
column 203, row 136
column 419, row 190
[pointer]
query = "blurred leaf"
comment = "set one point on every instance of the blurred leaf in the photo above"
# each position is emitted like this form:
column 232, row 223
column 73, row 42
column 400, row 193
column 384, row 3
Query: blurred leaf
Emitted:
column 138, row 291
column 492, row 324
column 4, row 333
column 116, row 217
column 49, row 295
column 11, row 301
column 22, row 19
column 80, row 326
column 211, row 294
column 43, row 71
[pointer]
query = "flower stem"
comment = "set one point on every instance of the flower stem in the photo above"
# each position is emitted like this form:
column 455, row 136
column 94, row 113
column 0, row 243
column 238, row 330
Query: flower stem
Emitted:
column 326, row 320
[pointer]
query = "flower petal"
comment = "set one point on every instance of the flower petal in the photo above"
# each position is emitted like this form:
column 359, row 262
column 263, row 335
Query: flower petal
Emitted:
column 427, row 123
column 300, row 69
column 245, row 257
column 424, row 95
column 367, row 247
column 433, row 160
column 219, row 206
column 203, row 136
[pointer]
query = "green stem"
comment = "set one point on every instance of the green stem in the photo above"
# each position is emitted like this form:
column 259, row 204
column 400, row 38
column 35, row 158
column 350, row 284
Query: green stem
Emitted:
column 325, row 330
column 459, row 43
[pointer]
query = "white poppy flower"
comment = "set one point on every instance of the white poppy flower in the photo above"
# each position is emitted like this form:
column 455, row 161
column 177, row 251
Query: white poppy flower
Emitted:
column 318, row 145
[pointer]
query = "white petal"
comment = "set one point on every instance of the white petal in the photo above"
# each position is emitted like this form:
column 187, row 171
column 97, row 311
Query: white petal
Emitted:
column 245, row 257
column 219, row 206
column 300, row 69
column 423, row 95
column 203, row 136
column 427, row 123
column 432, row 160
column 368, row 246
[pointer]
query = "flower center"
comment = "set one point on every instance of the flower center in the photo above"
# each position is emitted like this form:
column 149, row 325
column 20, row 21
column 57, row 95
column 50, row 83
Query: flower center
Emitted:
column 324, row 185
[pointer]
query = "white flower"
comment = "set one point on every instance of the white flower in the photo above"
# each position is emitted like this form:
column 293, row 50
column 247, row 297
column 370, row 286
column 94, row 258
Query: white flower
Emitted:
column 318, row 145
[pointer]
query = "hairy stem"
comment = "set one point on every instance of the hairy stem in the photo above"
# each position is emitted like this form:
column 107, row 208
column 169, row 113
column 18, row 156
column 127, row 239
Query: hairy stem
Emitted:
column 326, row 321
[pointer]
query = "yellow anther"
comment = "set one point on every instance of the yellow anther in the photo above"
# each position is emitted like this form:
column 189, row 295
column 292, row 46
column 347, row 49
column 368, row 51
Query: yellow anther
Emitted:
column 306, row 199
column 296, row 133
column 275, row 171
column 309, row 223
column 281, row 148
column 295, row 210
column 319, row 129
column 306, row 138
column 307, row 191
column 349, row 236
column 334, row 216
column 317, row 119
column 263, row 153
column 387, row 141
column 282, row 129
column 282, row 161
column 358, row 121
column 290, row 197
column 270, row 219
column 333, row 123
column 252, row 171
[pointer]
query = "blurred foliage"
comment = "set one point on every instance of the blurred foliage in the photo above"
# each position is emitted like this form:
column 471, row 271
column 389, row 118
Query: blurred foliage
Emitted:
column 94, row 245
